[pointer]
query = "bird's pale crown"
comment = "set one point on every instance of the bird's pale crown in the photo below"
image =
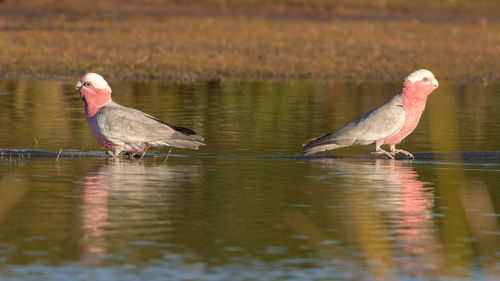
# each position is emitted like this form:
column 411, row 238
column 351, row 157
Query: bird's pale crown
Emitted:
column 422, row 75
column 93, row 80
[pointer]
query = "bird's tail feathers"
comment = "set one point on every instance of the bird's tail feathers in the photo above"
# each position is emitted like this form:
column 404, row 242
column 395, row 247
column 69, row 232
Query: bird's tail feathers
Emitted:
column 191, row 144
column 183, row 130
column 179, row 135
column 306, row 143
column 313, row 149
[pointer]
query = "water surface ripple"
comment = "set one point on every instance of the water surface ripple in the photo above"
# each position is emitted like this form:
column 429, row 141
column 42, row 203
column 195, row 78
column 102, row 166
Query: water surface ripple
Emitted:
column 243, row 208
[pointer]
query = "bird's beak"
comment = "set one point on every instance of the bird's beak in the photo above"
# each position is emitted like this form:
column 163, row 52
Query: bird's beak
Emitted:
column 435, row 83
column 78, row 85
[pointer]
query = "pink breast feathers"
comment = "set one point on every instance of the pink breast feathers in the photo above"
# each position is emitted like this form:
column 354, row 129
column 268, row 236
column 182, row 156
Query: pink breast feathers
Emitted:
column 414, row 96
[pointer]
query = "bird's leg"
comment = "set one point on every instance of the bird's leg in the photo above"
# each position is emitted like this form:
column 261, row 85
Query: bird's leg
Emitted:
column 111, row 154
column 117, row 152
column 402, row 151
column 130, row 155
column 380, row 151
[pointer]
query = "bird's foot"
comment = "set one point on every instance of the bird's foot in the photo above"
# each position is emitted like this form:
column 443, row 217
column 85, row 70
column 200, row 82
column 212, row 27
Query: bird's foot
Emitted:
column 406, row 154
column 384, row 153
column 132, row 155
column 111, row 154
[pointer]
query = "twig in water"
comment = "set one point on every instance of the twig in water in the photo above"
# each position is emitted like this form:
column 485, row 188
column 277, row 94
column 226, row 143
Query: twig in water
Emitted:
column 57, row 159
column 36, row 142
column 143, row 153
column 165, row 161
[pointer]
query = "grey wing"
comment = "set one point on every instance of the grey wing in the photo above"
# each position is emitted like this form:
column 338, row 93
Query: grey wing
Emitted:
column 379, row 123
column 124, row 125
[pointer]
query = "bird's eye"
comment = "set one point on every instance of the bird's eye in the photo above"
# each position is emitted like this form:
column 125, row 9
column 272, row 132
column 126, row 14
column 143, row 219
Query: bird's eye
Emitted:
column 426, row 79
column 87, row 84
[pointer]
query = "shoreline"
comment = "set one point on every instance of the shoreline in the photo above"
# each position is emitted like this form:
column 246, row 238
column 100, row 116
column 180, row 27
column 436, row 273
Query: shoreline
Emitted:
column 190, row 81
column 7, row 154
column 191, row 43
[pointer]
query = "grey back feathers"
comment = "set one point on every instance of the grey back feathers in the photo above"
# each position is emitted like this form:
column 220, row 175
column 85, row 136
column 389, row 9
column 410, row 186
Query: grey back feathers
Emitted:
column 379, row 123
column 128, row 127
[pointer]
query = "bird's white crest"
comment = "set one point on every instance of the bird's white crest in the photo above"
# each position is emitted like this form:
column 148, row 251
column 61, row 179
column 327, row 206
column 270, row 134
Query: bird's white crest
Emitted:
column 419, row 75
column 96, row 80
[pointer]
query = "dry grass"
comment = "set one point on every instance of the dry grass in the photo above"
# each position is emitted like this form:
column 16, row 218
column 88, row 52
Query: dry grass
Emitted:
column 188, row 44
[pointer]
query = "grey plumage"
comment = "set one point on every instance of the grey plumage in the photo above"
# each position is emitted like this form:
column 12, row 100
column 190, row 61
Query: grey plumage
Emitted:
column 381, row 122
column 130, row 129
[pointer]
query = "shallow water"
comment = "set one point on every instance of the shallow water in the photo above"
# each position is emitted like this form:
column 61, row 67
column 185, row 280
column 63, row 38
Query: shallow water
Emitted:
column 212, row 217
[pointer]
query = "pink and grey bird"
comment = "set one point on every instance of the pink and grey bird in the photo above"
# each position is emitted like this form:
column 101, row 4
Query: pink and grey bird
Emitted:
column 119, row 128
column 388, row 124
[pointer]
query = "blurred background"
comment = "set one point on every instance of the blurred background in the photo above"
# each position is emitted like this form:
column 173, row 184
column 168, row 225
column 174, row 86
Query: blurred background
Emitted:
column 250, row 39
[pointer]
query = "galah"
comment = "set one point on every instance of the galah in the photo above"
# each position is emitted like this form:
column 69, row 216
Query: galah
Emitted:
column 388, row 124
column 119, row 128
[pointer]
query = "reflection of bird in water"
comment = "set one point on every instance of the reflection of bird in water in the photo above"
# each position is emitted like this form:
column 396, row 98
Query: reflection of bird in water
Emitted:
column 390, row 209
column 130, row 197
column 11, row 192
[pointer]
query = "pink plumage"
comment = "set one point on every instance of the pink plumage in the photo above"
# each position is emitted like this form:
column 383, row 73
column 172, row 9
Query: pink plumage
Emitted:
column 119, row 128
column 388, row 124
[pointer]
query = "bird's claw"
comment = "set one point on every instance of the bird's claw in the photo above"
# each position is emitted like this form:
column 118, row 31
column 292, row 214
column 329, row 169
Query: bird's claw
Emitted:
column 407, row 154
column 131, row 155
column 383, row 152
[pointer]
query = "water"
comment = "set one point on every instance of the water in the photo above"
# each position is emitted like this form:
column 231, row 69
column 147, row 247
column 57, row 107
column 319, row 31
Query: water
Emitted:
column 216, row 214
